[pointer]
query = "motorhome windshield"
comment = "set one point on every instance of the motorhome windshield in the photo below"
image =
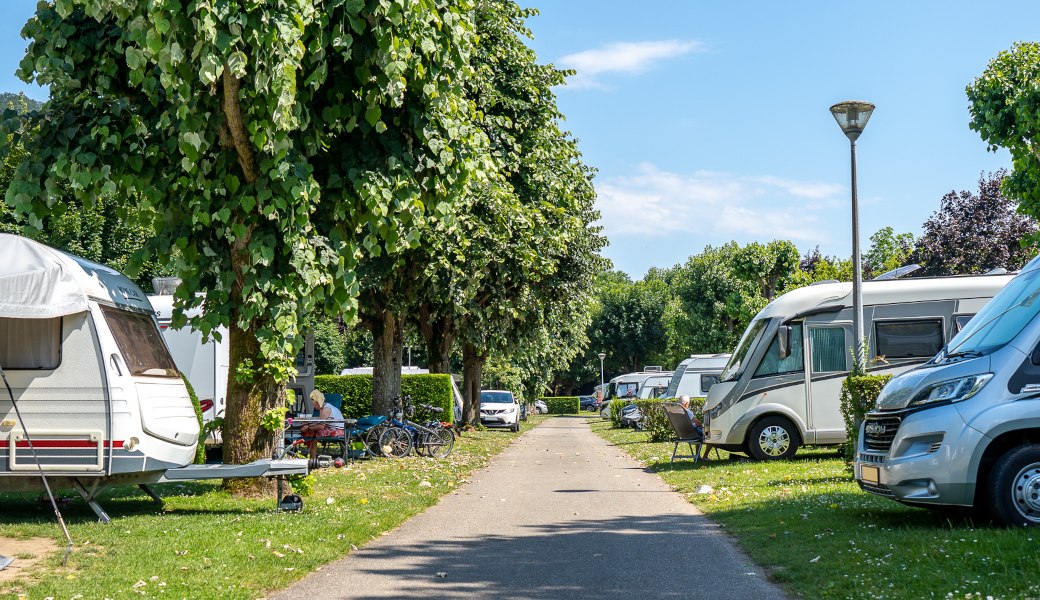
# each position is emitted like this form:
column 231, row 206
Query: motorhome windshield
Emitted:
column 1001, row 319
column 622, row 389
column 673, row 385
column 736, row 365
column 141, row 343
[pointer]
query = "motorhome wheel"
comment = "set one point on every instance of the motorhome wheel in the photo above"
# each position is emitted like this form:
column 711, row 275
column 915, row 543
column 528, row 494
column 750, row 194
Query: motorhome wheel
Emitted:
column 1013, row 489
column 773, row 438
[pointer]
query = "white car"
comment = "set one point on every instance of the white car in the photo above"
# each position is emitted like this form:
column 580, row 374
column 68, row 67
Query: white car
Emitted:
column 499, row 408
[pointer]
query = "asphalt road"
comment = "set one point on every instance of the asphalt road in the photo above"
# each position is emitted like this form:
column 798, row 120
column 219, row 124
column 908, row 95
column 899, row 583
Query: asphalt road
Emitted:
column 559, row 514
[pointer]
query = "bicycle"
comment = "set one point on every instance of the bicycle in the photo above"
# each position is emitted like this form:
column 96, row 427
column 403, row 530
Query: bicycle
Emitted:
column 431, row 438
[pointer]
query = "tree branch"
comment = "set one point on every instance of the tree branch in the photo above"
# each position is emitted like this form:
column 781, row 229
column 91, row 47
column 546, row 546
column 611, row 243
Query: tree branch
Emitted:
column 239, row 136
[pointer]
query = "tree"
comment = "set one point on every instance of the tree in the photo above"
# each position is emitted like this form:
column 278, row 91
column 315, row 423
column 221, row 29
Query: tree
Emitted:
column 273, row 142
column 888, row 251
column 975, row 233
column 766, row 265
column 1004, row 103
column 630, row 324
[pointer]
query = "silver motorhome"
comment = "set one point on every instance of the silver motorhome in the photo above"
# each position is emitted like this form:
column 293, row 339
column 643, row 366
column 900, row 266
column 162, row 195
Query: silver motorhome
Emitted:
column 769, row 402
column 964, row 428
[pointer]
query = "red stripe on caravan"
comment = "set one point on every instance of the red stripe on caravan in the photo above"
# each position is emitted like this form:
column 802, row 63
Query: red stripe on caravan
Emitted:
column 63, row 444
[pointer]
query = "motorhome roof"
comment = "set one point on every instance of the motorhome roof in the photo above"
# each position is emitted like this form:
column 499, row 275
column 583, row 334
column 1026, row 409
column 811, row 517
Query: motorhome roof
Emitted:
column 706, row 363
column 640, row 375
column 37, row 281
column 913, row 289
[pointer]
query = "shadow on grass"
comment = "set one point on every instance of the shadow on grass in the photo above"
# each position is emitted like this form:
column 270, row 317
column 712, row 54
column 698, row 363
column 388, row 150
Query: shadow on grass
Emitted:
column 570, row 560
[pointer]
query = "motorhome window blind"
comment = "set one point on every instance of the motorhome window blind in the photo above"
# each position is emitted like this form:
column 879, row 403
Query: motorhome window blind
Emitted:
column 828, row 349
column 772, row 364
column 30, row 343
column 909, row 339
column 141, row 343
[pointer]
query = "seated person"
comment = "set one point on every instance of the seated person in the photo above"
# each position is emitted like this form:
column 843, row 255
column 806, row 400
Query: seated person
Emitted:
column 321, row 430
column 684, row 401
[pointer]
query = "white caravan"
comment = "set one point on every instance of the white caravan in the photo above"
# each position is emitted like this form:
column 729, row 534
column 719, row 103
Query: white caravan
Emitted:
column 627, row 386
column 781, row 388
column 654, row 387
column 695, row 375
column 95, row 397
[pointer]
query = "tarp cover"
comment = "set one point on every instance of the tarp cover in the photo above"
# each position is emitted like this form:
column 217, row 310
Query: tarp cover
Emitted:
column 35, row 283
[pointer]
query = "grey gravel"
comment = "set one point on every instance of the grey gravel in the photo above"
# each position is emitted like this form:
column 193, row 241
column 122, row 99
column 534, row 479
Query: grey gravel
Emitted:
column 579, row 520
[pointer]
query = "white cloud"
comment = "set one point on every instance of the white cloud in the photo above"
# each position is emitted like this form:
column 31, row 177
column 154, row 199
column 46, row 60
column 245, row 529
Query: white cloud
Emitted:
column 716, row 206
column 621, row 57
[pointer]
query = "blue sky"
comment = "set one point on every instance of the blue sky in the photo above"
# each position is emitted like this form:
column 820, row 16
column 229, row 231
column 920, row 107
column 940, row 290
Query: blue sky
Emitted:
column 708, row 121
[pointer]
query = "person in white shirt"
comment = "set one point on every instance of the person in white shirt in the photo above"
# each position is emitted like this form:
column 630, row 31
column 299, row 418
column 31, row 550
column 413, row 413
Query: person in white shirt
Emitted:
column 321, row 430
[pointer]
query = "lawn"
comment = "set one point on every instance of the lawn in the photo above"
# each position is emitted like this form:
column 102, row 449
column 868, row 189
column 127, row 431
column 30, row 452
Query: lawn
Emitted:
column 808, row 523
column 205, row 544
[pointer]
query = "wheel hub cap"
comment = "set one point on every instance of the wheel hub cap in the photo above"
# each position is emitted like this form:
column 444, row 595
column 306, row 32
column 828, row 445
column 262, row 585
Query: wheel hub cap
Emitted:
column 1026, row 492
column 774, row 440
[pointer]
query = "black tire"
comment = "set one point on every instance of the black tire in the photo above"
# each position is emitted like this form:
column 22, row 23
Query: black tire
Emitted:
column 773, row 438
column 1013, row 487
column 395, row 442
column 516, row 427
column 372, row 440
column 439, row 445
column 590, row 408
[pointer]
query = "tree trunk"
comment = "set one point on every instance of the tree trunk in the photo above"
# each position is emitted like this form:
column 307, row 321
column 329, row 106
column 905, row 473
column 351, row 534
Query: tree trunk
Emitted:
column 247, row 402
column 440, row 336
column 387, row 343
column 472, row 370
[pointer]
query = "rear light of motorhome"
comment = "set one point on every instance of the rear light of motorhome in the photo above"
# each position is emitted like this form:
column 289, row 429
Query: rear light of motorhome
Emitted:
column 206, row 405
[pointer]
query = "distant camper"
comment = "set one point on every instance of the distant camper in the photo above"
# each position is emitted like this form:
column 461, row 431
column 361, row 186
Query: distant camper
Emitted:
column 695, row 375
column 628, row 385
column 773, row 397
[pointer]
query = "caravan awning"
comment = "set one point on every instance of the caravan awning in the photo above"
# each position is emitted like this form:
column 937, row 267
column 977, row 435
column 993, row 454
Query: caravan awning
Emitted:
column 35, row 281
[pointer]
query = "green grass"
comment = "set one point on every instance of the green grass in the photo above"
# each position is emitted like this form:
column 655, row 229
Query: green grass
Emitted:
column 206, row 544
column 785, row 514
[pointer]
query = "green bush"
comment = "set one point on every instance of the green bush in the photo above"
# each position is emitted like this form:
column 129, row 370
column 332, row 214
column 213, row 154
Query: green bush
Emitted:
column 859, row 394
column 200, row 450
column 562, row 405
column 356, row 390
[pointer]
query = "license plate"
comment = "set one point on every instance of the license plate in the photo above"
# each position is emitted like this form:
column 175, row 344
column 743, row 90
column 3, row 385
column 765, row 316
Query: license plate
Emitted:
column 495, row 419
column 871, row 474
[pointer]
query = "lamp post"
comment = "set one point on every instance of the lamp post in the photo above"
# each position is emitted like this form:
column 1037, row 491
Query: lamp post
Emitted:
column 852, row 117
column 601, row 394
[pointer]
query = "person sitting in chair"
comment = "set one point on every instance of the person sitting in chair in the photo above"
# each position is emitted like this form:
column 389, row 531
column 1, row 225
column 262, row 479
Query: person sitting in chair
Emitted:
column 321, row 430
column 684, row 400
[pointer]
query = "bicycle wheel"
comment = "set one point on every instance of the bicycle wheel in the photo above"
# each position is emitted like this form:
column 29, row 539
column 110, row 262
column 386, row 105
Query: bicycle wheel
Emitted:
column 395, row 442
column 439, row 444
column 372, row 440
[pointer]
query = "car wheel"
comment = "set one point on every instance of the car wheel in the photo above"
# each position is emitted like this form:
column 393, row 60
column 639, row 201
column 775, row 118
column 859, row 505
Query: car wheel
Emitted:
column 591, row 408
column 1013, row 488
column 773, row 438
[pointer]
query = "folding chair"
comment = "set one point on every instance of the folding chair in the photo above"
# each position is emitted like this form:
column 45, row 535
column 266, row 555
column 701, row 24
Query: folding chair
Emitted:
column 685, row 432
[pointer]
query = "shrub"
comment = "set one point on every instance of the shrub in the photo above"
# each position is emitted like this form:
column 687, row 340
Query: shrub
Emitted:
column 655, row 419
column 356, row 390
column 200, row 450
column 615, row 409
column 859, row 393
column 562, row 405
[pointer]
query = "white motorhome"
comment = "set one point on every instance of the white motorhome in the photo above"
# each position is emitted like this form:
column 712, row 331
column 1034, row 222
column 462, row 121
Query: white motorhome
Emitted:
column 95, row 398
column 654, row 387
column 695, row 375
column 769, row 402
column 206, row 365
column 627, row 386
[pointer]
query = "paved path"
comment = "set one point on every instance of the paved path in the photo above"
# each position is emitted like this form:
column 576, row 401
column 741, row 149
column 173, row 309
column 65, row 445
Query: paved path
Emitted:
column 579, row 520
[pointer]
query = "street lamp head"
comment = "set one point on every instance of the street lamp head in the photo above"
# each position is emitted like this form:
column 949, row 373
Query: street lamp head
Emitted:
column 852, row 116
column 602, row 356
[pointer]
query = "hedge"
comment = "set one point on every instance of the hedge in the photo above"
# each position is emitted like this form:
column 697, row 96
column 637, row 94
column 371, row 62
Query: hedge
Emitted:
column 200, row 449
column 859, row 394
column 356, row 390
column 562, row 405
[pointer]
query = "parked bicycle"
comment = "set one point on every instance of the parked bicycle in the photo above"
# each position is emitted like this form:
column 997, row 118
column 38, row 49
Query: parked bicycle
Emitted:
column 431, row 438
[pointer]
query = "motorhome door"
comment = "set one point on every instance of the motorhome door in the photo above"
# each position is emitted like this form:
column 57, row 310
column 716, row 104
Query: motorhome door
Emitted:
column 829, row 363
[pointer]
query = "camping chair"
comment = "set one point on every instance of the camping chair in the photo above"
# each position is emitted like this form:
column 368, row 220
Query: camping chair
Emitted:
column 685, row 432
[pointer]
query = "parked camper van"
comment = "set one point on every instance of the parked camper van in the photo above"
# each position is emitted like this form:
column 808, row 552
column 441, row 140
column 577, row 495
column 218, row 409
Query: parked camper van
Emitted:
column 654, row 387
column 769, row 403
column 99, row 394
column 695, row 375
column 627, row 386
column 964, row 428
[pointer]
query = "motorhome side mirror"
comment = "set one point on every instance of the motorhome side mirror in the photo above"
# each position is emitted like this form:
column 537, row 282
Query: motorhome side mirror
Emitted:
column 783, row 335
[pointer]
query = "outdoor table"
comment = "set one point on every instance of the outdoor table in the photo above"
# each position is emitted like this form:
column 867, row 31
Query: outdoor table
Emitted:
column 346, row 424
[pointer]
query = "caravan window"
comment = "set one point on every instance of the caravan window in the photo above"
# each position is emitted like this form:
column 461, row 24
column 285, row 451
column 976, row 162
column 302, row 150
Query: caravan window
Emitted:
column 30, row 343
column 828, row 349
column 141, row 343
column 771, row 362
column 909, row 339
column 707, row 381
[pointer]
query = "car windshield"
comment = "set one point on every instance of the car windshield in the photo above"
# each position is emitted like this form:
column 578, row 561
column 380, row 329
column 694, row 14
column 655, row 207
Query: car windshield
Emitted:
column 1002, row 318
column 736, row 365
column 496, row 398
